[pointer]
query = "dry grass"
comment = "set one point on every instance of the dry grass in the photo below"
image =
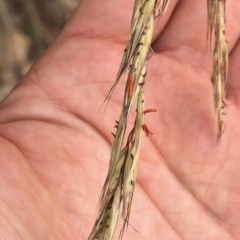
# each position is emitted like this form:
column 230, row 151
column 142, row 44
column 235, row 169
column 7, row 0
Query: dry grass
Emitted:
column 27, row 28
column 117, row 193
column 217, row 22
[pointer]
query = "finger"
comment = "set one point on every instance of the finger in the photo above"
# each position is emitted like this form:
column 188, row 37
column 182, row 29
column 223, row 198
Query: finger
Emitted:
column 233, row 84
column 188, row 26
column 108, row 19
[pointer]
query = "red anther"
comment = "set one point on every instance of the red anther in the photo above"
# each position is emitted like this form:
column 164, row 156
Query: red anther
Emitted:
column 225, row 103
column 223, row 68
column 131, row 84
column 146, row 130
column 150, row 110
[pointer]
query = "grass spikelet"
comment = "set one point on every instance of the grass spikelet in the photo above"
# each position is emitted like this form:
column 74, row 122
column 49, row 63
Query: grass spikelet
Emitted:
column 217, row 20
column 161, row 6
column 117, row 193
column 143, row 10
column 212, row 15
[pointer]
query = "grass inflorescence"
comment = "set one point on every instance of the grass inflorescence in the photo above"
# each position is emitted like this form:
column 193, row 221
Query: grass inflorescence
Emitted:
column 216, row 23
column 117, row 193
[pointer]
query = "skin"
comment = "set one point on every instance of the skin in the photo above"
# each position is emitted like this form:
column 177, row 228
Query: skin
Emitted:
column 55, row 139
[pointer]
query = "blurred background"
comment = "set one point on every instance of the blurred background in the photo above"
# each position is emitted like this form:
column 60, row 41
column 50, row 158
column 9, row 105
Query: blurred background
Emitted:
column 27, row 28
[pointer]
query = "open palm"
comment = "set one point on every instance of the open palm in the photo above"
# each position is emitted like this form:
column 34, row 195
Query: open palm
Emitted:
column 56, row 141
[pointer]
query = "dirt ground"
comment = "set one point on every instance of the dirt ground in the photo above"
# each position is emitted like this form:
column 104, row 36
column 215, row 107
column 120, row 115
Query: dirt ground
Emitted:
column 27, row 28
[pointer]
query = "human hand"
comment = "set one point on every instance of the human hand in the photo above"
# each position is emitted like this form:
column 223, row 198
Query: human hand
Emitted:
column 55, row 139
